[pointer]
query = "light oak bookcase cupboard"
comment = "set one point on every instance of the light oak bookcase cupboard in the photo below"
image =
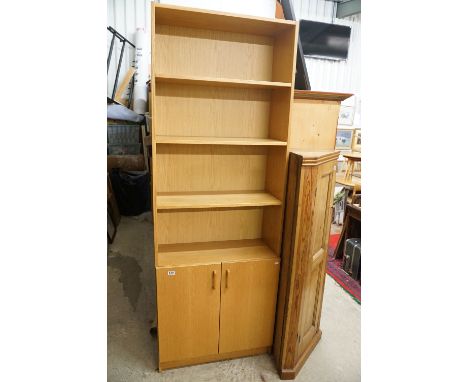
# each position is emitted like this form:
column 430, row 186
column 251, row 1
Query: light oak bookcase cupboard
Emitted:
column 221, row 101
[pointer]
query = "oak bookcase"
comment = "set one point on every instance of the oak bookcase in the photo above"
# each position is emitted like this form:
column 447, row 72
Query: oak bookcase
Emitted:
column 221, row 101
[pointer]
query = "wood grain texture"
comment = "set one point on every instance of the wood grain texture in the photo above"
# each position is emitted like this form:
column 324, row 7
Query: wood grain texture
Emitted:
column 171, row 201
column 284, row 64
column 316, row 95
column 289, row 232
column 123, row 86
column 300, row 256
column 220, row 82
column 292, row 373
column 153, row 131
column 248, row 301
column 201, row 18
column 328, row 172
column 284, row 56
column 188, row 312
column 272, row 226
column 220, row 131
column 214, row 252
column 244, row 56
column 315, row 158
column 280, row 114
column 213, row 358
column 275, row 183
column 313, row 125
column 209, row 225
column 308, row 218
column 186, row 110
column 226, row 141
column 201, row 168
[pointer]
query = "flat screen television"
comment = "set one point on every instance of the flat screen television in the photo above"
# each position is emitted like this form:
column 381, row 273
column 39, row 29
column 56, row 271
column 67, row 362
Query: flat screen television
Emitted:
column 323, row 40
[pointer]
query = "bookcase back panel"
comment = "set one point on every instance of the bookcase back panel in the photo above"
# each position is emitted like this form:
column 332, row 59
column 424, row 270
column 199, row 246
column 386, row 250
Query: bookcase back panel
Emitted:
column 209, row 225
column 271, row 228
column 210, row 53
column 276, row 171
column 280, row 114
column 284, row 56
column 204, row 168
column 205, row 111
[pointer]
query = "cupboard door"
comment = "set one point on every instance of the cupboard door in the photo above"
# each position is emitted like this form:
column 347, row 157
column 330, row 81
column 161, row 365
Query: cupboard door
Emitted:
column 188, row 311
column 248, row 301
column 313, row 259
column 310, row 301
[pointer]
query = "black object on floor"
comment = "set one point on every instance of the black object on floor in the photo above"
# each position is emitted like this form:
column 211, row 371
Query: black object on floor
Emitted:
column 132, row 191
column 352, row 258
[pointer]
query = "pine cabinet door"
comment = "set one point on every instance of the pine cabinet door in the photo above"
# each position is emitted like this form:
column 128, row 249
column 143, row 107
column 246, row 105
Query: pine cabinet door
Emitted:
column 310, row 302
column 188, row 311
column 313, row 259
column 248, row 302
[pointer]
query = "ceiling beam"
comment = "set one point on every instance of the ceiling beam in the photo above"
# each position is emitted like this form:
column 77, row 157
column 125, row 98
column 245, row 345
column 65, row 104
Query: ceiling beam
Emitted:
column 348, row 8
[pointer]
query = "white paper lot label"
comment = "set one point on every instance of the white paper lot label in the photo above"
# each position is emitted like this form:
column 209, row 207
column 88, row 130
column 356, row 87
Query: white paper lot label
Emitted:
column 171, row 273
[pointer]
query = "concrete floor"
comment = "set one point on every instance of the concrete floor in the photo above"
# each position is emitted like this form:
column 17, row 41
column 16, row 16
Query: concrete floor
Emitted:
column 130, row 313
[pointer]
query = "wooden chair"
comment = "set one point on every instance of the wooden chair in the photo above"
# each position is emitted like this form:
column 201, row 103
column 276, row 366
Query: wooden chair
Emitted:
column 351, row 160
column 349, row 178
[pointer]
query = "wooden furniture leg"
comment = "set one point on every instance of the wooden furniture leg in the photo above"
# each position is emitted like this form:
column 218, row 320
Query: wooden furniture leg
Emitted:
column 337, row 254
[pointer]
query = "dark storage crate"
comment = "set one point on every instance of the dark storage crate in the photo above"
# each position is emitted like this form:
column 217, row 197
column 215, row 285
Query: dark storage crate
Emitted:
column 352, row 258
column 123, row 134
column 124, row 149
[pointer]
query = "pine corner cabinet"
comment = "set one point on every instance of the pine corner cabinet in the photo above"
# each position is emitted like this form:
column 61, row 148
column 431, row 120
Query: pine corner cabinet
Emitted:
column 222, row 90
column 314, row 120
column 311, row 183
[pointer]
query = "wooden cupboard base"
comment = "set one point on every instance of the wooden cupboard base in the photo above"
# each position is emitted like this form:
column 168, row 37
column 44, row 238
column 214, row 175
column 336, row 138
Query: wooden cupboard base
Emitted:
column 212, row 358
column 292, row 373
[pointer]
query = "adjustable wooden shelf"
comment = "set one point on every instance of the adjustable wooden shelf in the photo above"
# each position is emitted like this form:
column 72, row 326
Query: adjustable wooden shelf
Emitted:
column 220, row 82
column 219, row 141
column 221, row 101
column 176, row 201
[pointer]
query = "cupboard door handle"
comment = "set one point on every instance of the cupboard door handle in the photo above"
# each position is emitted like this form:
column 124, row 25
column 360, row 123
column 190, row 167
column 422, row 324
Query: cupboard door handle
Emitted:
column 213, row 280
column 227, row 277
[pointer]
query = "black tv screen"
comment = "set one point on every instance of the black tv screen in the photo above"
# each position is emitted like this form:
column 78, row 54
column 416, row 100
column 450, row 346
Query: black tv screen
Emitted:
column 324, row 40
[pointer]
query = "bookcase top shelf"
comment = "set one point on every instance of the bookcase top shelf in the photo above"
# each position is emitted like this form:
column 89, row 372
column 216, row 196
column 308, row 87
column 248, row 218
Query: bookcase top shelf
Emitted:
column 238, row 141
column 214, row 252
column 168, row 201
column 228, row 22
column 219, row 82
